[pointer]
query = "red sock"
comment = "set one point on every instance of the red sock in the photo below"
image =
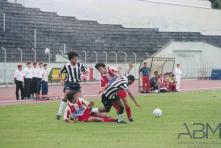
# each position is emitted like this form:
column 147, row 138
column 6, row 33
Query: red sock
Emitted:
column 128, row 110
column 109, row 120
column 115, row 106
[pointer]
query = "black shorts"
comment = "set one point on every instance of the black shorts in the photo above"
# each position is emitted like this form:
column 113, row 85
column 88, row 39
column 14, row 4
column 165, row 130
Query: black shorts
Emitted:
column 107, row 102
column 71, row 86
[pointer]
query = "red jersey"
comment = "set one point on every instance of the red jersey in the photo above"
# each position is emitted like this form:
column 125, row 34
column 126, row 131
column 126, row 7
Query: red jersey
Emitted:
column 78, row 111
column 109, row 76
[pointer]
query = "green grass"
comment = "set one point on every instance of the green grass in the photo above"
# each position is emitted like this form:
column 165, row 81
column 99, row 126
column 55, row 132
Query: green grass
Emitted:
column 34, row 125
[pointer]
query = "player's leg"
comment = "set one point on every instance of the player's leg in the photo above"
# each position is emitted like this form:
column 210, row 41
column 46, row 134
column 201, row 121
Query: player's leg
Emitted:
column 144, row 83
column 17, row 90
column 22, row 91
column 123, row 95
column 62, row 105
column 120, row 118
column 148, row 84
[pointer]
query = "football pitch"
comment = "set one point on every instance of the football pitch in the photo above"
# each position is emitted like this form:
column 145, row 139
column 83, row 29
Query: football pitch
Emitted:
column 35, row 126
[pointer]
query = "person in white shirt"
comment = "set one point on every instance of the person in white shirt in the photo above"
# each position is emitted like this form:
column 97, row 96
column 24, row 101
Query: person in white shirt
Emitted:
column 44, row 91
column 19, row 80
column 27, row 80
column 178, row 74
column 36, row 81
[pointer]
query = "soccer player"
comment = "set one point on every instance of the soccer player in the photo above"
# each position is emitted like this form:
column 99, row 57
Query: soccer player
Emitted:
column 28, row 80
column 80, row 110
column 108, row 76
column 110, row 96
column 145, row 72
column 19, row 81
column 72, row 70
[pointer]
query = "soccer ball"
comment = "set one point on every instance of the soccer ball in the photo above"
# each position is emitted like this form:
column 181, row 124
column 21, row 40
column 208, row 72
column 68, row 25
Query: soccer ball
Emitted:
column 157, row 112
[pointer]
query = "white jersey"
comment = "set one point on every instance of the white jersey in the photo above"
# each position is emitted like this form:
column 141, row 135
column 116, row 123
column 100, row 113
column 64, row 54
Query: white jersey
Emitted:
column 28, row 72
column 45, row 74
column 37, row 73
column 19, row 75
column 177, row 72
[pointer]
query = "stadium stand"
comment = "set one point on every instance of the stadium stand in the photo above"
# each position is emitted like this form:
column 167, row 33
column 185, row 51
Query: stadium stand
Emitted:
column 53, row 31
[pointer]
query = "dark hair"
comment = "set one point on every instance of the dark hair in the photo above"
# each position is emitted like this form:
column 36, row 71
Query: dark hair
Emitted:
column 131, row 77
column 28, row 63
column 71, row 94
column 144, row 63
column 155, row 72
column 34, row 63
column 40, row 63
column 72, row 54
column 99, row 65
column 45, row 64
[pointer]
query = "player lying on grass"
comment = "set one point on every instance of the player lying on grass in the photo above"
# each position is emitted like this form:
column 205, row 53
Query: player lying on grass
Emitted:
column 110, row 96
column 80, row 110
column 108, row 76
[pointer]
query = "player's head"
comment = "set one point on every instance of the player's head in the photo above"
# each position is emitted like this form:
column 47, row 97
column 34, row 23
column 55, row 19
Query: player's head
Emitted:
column 19, row 67
column 28, row 64
column 72, row 56
column 145, row 64
column 178, row 65
column 73, row 95
column 156, row 73
column 40, row 64
column 131, row 79
column 45, row 65
column 101, row 67
column 34, row 64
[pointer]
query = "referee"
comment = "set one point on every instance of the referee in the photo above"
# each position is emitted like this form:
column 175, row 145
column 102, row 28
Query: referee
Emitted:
column 72, row 70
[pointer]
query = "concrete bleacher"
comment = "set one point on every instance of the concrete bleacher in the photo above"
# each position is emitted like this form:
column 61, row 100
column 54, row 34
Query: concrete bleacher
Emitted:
column 53, row 31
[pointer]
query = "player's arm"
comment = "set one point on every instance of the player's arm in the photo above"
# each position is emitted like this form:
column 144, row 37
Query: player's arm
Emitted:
column 115, row 71
column 63, row 70
column 84, row 70
column 133, row 98
column 67, row 114
column 131, row 66
column 103, row 85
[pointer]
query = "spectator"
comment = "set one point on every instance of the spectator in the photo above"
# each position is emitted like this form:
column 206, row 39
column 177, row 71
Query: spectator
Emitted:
column 28, row 80
column 44, row 91
column 19, row 80
column 36, row 81
column 178, row 73
column 144, row 72
column 172, row 82
column 154, row 82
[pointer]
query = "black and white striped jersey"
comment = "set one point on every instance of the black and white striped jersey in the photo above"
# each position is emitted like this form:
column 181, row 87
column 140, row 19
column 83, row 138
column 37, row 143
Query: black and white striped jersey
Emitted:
column 73, row 73
column 112, row 89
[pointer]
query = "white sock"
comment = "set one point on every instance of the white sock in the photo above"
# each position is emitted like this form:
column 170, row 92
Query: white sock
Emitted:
column 94, row 110
column 120, row 117
column 62, row 107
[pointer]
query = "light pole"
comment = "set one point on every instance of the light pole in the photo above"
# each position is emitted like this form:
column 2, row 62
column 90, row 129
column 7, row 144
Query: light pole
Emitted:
column 95, row 52
column 115, row 55
column 20, row 53
column 85, row 56
column 4, row 50
column 35, row 38
column 147, row 54
column 135, row 57
column 34, row 50
column 3, row 22
column 105, row 52
column 125, row 54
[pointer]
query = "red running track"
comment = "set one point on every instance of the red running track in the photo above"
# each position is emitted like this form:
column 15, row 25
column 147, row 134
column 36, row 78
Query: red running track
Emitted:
column 7, row 94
